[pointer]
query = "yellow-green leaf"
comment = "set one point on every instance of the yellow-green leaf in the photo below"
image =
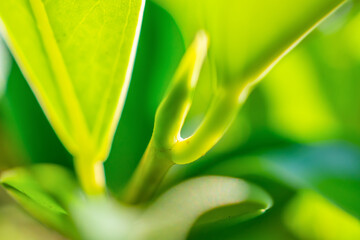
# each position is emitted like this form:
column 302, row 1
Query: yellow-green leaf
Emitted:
column 77, row 56
column 310, row 216
column 247, row 38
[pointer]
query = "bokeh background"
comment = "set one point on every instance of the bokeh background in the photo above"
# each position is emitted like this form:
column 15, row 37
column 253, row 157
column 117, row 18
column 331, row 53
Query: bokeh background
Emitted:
column 306, row 110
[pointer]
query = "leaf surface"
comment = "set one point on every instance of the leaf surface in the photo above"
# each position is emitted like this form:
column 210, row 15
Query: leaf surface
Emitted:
column 77, row 56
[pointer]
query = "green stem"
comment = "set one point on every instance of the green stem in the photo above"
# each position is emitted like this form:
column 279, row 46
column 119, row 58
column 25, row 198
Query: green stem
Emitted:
column 219, row 117
column 153, row 167
column 91, row 176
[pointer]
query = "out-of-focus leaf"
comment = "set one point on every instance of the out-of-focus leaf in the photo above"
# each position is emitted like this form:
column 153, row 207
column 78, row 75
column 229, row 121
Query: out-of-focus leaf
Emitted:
column 5, row 64
column 312, row 95
column 44, row 191
column 202, row 200
column 247, row 40
column 297, row 104
column 248, row 37
column 104, row 219
column 311, row 216
column 197, row 201
column 84, row 56
column 335, row 56
column 332, row 170
column 269, row 226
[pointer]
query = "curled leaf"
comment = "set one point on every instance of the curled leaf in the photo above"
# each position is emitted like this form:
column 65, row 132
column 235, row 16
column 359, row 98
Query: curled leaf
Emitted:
column 203, row 199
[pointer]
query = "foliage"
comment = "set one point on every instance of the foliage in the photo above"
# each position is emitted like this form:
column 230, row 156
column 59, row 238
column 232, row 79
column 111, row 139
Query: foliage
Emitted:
column 78, row 59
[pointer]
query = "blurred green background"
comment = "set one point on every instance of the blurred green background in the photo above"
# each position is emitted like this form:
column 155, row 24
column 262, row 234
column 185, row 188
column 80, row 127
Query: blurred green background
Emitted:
column 298, row 135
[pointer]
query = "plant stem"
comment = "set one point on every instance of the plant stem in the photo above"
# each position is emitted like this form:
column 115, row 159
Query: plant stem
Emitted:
column 91, row 176
column 153, row 167
column 220, row 115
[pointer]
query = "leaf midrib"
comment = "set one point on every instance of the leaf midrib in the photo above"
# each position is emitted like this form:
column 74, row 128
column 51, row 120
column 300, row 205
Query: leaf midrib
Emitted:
column 61, row 75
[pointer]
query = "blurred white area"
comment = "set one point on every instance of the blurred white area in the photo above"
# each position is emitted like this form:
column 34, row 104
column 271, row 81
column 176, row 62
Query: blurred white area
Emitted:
column 337, row 20
column 5, row 64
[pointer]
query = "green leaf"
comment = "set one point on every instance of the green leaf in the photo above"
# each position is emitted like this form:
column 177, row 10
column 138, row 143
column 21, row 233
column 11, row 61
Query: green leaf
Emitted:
column 331, row 170
column 299, row 109
column 24, row 118
column 78, row 58
column 44, row 191
column 200, row 200
column 337, row 55
column 248, row 37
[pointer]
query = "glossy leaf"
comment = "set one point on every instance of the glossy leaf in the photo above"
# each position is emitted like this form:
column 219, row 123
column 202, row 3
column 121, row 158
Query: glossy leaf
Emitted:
column 45, row 191
column 331, row 170
column 84, row 56
column 202, row 200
